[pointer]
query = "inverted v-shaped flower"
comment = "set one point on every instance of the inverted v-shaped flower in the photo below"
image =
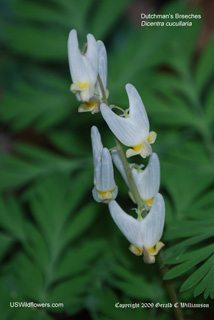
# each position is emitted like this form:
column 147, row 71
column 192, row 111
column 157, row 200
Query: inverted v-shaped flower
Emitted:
column 148, row 180
column 93, row 105
column 83, row 67
column 133, row 130
column 105, row 188
column 144, row 235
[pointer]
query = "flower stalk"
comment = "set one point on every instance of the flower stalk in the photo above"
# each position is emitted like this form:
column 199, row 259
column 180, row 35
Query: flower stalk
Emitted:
column 131, row 181
column 171, row 289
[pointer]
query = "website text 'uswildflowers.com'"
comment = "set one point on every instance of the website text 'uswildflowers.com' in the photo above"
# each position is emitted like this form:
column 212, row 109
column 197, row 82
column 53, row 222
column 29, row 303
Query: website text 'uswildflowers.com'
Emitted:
column 36, row 305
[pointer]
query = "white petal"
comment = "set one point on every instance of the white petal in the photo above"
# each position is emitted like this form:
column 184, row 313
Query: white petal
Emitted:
column 96, row 195
column 148, row 180
column 137, row 110
column 146, row 149
column 133, row 130
column 104, row 173
column 92, row 56
column 123, row 128
column 97, row 145
column 102, row 68
column 126, row 223
column 76, row 61
column 152, row 225
column 119, row 165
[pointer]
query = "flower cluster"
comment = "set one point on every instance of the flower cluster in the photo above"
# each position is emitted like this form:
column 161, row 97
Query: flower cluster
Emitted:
column 85, row 69
column 131, row 128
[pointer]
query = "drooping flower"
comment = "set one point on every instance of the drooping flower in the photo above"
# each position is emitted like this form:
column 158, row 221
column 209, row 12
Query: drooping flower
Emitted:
column 144, row 235
column 118, row 163
column 83, row 67
column 105, row 188
column 148, row 180
column 93, row 105
column 133, row 129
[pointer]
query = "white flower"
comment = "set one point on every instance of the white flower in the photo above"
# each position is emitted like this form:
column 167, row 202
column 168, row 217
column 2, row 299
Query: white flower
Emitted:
column 131, row 130
column 93, row 104
column 105, row 188
column 83, row 68
column 97, row 146
column 118, row 163
column 144, row 235
column 148, row 180
column 102, row 70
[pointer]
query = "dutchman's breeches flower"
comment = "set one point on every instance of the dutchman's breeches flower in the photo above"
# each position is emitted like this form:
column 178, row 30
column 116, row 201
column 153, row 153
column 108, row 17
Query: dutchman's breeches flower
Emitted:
column 105, row 188
column 93, row 104
column 133, row 129
column 148, row 180
column 83, row 67
column 145, row 234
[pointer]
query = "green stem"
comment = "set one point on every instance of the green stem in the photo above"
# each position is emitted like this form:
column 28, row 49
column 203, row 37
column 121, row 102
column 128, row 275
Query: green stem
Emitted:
column 171, row 289
column 131, row 181
column 102, row 89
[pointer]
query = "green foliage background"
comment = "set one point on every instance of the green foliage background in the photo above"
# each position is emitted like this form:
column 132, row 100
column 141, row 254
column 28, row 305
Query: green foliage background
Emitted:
column 57, row 245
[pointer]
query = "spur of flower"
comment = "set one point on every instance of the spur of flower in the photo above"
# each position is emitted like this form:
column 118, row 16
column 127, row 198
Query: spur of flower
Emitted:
column 143, row 234
column 147, row 179
column 105, row 188
column 83, row 67
column 100, row 92
column 131, row 128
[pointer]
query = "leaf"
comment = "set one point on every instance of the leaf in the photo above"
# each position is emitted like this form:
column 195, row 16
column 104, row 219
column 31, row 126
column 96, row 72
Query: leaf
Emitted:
column 33, row 163
column 197, row 275
column 175, row 176
column 204, row 70
column 80, row 258
column 12, row 220
column 209, row 107
column 5, row 244
column 194, row 258
column 51, row 109
column 61, row 266
column 69, row 143
column 206, row 285
column 105, row 18
column 31, row 289
column 25, row 39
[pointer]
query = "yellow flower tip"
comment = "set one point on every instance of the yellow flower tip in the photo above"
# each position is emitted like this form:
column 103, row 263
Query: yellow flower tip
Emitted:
column 147, row 257
column 154, row 250
column 130, row 153
column 82, row 85
column 149, row 202
column 135, row 250
column 138, row 147
column 152, row 137
column 76, row 87
column 106, row 196
column 149, row 253
column 73, row 88
column 91, row 106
